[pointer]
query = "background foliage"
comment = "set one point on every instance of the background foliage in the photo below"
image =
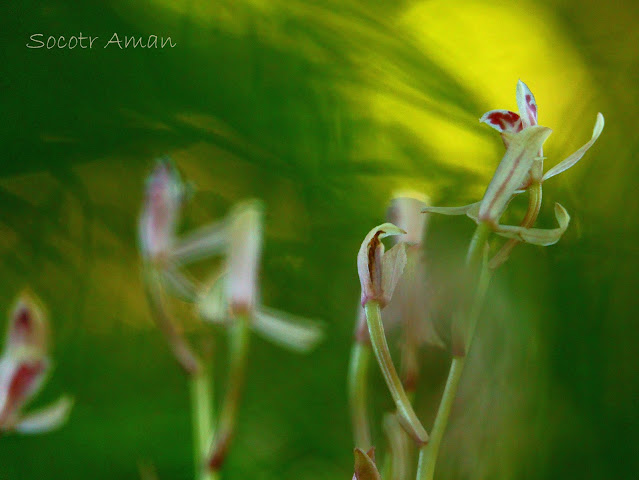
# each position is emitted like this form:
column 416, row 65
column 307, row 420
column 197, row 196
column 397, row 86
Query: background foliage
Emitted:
column 322, row 109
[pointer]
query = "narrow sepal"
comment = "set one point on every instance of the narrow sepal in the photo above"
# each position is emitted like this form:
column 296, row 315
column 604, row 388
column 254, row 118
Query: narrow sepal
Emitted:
column 47, row 418
column 538, row 236
column 575, row 157
column 463, row 210
column 290, row 331
column 202, row 243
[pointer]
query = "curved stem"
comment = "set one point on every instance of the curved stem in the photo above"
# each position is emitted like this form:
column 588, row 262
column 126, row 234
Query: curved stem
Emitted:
column 201, row 411
column 358, row 394
column 238, row 353
column 405, row 412
column 182, row 351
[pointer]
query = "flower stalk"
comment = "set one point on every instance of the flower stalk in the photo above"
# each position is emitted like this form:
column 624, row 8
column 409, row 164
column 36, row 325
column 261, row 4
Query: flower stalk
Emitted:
column 238, row 352
column 202, row 416
column 358, row 393
column 405, row 412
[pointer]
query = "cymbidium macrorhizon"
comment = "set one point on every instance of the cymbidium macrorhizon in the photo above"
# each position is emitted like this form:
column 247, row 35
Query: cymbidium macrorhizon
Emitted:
column 24, row 368
column 232, row 299
column 520, row 170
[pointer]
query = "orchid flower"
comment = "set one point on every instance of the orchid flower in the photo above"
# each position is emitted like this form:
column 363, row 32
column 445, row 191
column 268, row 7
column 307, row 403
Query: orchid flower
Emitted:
column 236, row 290
column 24, row 367
column 520, row 169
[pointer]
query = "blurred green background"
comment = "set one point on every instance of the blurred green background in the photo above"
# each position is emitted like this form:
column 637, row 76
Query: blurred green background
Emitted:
column 322, row 109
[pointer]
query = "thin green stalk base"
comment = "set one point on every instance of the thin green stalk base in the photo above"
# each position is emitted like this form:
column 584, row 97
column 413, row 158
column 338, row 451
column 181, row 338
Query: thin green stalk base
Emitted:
column 358, row 394
column 428, row 453
column 405, row 412
column 238, row 353
column 202, row 418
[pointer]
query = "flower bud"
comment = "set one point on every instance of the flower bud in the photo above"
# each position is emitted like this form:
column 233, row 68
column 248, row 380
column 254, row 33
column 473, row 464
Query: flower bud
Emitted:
column 380, row 271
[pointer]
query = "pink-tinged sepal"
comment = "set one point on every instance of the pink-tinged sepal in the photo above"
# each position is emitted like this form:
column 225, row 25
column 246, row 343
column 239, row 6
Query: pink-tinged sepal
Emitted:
column 296, row 333
column 504, row 121
column 575, row 157
column 379, row 272
column 527, row 105
column 28, row 327
column 162, row 204
column 511, row 172
column 20, row 380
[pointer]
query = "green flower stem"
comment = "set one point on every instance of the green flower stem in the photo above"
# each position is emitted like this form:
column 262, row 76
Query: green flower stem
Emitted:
column 238, row 353
column 202, row 416
column 428, row 453
column 358, row 393
column 405, row 411
column 397, row 460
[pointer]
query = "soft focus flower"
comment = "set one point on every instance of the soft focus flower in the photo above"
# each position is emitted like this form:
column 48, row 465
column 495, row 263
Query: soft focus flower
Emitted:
column 159, row 220
column 379, row 271
column 235, row 291
column 520, row 168
column 24, row 366
column 411, row 305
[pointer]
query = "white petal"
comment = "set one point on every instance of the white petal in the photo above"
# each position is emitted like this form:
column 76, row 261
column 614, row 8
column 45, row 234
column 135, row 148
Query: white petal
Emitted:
column 290, row 331
column 46, row 419
column 393, row 263
column 245, row 247
column 179, row 283
column 538, row 236
column 527, row 105
column 575, row 157
column 202, row 243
